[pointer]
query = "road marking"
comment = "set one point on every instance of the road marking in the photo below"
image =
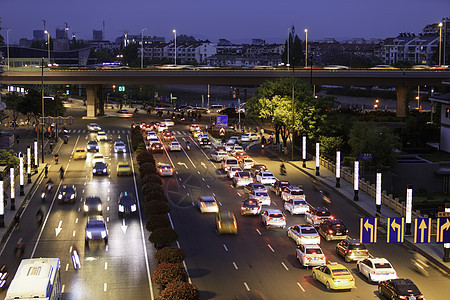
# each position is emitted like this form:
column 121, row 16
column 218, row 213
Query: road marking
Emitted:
column 285, row 266
column 184, row 186
column 59, row 228
column 106, row 248
column 198, row 172
column 203, row 179
column 220, row 203
column 82, row 191
column 203, row 164
column 257, row 230
column 109, row 190
column 107, row 208
column 176, row 172
column 246, row 286
column 105, row 285
column 76, row 220
column 74, row 233
column 193, row 204
column 183, row 164
column 235, row 266
column 180, row 179
column 301, row 287
column 106, row 265
column 79, row 208
column 214, row 194
column 208, row 186
column 67, row 267
column 225, row 246
column 239, row 194
column 108, row 198
column 62, row 288
column 268, row 245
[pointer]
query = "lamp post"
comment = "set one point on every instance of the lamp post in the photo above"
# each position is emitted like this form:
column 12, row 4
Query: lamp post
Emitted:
column 43, row 116
column 13, row 188
column 142, row 47
column 21, row 193
column 2, row 203
column 289, row 38
column 338, row 168
column 306, row 48
column 36, row 158
column 317, row 159
column 378, row 192
column 408, row 217
column 356, row 180
column 440, row 43
column 175, row 33
column 48, row 44
column 304, row 151
column 7, row 44
column 29, row 164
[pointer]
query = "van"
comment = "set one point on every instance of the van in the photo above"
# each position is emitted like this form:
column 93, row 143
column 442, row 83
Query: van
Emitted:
column 216, row 107
column 229, row 162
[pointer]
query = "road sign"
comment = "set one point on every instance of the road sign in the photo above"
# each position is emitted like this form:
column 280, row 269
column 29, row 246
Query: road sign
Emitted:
column 443, row 214
column 222, row 131
column 422, row 230
column 395, row 230
column 69, row 121
column 443, row 230
column 222, row 121
column 368, row 230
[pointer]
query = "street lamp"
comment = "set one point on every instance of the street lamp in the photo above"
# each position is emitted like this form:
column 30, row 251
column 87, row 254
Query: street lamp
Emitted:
column 175, row 33
column 43, row 115
column 7, row 44
column 440, row 43
column 289, row 37
column 306, row 48
column 142, row 47
column 48, row 43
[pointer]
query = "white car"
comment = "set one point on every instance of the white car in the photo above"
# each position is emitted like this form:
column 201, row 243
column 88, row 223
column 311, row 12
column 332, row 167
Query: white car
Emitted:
column 208, row 204
column 194, row 127
column 310, row 255
column 262, row 196
column 247, row 163
column 168, row 122
column 273, row 218
column 153, row 140
column 218, row 156
column 93, row 127
column 292, row 192
column 96, row 229
column 304, row 234
column 229, row 162
column 229, row 146
column 233, row 139
column 120, row 146
column 296, row 206
column 174, row 146
column 232, row 171
column 165, row 169
column 151, row 134
column 265, row 178
column 202, row 136
column 249, row 137
column 242, row 179
column 124, row 113
column 376, row 269
column 236, row 149
column 162, row 127
column 98, row 158
column 101, row 136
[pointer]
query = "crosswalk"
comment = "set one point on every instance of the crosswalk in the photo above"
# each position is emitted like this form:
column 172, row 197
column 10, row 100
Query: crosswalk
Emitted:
column 110, row 131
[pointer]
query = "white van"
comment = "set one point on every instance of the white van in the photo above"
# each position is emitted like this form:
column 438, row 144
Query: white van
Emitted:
column 229, row 162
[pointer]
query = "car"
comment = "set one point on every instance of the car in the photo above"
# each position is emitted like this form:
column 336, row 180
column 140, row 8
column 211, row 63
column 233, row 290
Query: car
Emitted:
column 208, row 204
column 168, row 122
column 101, row 136
column 96, row 229
column 254, row 186
column 335, row 67
column 92, row 205
column 216, row 107
column 142, row 125
column 376, row 269
column 228, row 146
column 241, row 179
column 229, row 162
column 262, row 196
column 352, row 250
column 304, row 234
column 256, row 169
column 165, row 169
column 168, row 136
column 127, row 204
column 383, row 67
column 229, row 111
column 120, row 146
column 67, row 193
column 296, row 206
column 205, row 143
column 273, row 218
column 93, row 127
column 240, row 155
column 98, row 158
column 194, row 127
column 246, row 163
column 279, row 186
column 152, row 140
column 92, row 146
column 310, row 255
column 226, row 223
column 202, row 136
column 333, row 230
column 232, row 171
column 292, row 192
column 234, row 140
column 334, row 276
column 249, row 137
column 80, row 153
column 218, row 156
column 174, row 146
column 400, row 288
column 265, row 178
column 250, row 207
column 157, row 147
column 124, row 113
column 150, row 135
column 196, row 133
column 100, row 168
column 316, row 215
column 236, row 149
column 124, row 169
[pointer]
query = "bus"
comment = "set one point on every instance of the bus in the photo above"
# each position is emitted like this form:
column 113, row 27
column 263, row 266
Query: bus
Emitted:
column 36, row 278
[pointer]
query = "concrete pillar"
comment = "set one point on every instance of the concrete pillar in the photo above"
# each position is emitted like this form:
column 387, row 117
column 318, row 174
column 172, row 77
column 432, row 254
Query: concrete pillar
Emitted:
column 401, row 91
column 92, row 100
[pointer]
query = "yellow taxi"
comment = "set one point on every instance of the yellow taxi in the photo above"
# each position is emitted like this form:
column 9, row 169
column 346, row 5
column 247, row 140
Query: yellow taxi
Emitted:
column 80, row 153
column 334, row 276
column 123, row 169
column 226, row 223
column 197, row 133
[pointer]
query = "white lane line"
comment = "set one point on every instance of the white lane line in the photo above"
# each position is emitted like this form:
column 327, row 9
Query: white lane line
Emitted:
column 108, row 198
column 300, row 286
column 208, row 186
column 67, row 267
column 180, row 179
column 203, row 179
column 235, row 266
column 74, row 233
column 106, row 248
column 220, row 203
column 238, row 194
column 106, row 265
column 107, row 208
column 70, row 249
column 193, row 204
column 105, row 285
column 79, row 208
column 257, row 230
column 76, row 220
column 268, row 245
column 107, row 219
column 225, row 246
column 214, row 194
column 198, row 172
column 184, row 186
column 188, row 194
column 246, row 286
column 82, row 191
column 62, row 288
column 285, row 266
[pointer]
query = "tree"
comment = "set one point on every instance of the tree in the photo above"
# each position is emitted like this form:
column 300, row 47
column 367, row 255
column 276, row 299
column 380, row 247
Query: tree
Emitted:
column 167, row 272
column 13, row 101
column 170, row 254
column 156, row 207
column 9, row 158
column 180, row 290
column 157, row 221
column 296, row 54
column 151, row 178
column 163, row 236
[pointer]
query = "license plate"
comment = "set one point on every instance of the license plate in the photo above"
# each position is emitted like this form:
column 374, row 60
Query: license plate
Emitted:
column 315, row 258
column 344, row 281
column 358, row 253
column 338, row 233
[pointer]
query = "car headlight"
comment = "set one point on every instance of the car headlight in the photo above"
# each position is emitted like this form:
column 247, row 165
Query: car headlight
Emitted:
column 124, row 150
column 59, row 196
column 73, row 196
column 42, row 195
column 104, row 170
column 121, row 208
column 99, row 207
column 89, row 234
column 86, row 208
column 103, row 234
column 133, row 207
column 93, row 170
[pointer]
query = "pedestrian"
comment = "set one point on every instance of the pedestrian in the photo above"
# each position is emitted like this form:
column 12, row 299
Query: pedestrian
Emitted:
column 51, row 147
column 17, row 138
column 16, row 222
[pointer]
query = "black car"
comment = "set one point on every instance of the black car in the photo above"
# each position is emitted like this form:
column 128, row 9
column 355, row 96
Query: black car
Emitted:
column 100, row 168
column 279, row 186
column 250, row 207
column 157, row 147
column 256, row 169
column 93, row 205
column 333, row 230
column 399, row 288
column 205, row 143
column 352, row 250
column 127, row 204
column 67, row 193
column 254, row 186
column 228, row 111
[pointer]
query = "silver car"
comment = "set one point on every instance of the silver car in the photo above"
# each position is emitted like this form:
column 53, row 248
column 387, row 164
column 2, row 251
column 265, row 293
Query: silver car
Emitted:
column 96, row 229
column 120, row 146
column 310, row 255
column 304, row 234
column 273, row 218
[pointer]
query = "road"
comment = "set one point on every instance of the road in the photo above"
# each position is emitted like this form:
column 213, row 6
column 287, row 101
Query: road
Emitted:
column 222, row 267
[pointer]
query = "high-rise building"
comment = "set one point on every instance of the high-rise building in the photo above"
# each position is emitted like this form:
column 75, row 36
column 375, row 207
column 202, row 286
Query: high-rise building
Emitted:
column 38, row 35
column 97, row 35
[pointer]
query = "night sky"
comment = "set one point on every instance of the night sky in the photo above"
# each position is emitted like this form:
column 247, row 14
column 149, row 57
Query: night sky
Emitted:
column 236, row 20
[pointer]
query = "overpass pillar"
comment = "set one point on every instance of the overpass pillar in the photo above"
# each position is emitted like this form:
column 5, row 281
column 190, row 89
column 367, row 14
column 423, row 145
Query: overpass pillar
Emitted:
column 401, row 91
column 93, row 95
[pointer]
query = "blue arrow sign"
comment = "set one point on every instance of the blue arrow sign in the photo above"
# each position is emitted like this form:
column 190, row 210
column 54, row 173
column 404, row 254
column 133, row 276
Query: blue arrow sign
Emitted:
column 395, row 230
column 443, row 230
column 422, row 230
column 222, row 121
column 368, row 230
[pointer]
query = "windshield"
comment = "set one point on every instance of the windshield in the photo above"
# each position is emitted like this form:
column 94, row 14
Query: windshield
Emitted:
column 313, row 251
column 383, row 266
column 296, row 192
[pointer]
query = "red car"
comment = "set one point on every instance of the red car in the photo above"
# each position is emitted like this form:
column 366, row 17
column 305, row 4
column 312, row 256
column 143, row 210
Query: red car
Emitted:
column 240, row 155
column 157, row 147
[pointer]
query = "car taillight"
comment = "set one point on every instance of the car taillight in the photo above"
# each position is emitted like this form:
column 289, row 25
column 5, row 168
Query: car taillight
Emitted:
column 367, row 251
column 401, row 297
column 316, row 218
column 203, row 204
column 330, row 231
column 332, row 218
column 352, row 279
column 349, row 251
column 284, row 218
column 242, row 208
column 269, row 218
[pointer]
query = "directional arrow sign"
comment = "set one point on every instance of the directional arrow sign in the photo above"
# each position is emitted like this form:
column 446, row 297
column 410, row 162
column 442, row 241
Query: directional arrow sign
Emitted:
column 204, row 165
column 395, row 230
column 368, row 230
column 182, row 164
column 422, row 230
column 124, row 227
column 59, row 228
column 443, row 230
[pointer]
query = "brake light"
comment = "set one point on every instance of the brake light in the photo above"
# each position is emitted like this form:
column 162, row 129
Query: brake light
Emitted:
column 401, row 297
column 330, row 231
column 284, row 218
column 352, row 279
column 242, row 208
column 269, row 218
column 332, row 218
column 349, row 251
column 367, row 251
column 203, row 204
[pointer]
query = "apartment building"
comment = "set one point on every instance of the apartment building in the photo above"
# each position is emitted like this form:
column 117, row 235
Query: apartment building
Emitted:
column 410, row 48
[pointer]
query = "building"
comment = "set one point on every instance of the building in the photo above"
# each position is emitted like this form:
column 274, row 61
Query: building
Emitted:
column 408, row 47
column 97, row 35
column 239, row 60
column 185, row 53
column 38, row 35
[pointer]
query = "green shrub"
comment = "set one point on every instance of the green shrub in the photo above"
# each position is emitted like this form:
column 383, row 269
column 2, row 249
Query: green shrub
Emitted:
column 157, row 221
column 168, row 272
column 180, row 290
column 156, row 207
column 170, row 254
column 147, row 168
column 143, row 156
column 151, row 188
column 163, row 236
column 151, row 178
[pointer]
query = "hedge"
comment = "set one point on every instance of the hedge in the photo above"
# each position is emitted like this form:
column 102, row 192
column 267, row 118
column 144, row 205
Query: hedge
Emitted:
column 157, row 221
column 147, row 168
column 151, row 178
column 163, row 236
column 170, row 254
column 156, row 207
column 180, row 290
column 168, row 272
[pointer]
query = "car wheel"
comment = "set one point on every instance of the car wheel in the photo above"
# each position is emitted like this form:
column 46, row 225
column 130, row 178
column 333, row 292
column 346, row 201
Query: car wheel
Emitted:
column 314, row 276
column 369, row 278
column 106, row 241
column 328, row 286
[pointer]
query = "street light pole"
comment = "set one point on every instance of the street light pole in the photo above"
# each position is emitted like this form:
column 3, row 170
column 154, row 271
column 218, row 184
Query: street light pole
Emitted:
column 289, row 37
column 293, row 114
column 306, row 48
column 175, row 33
column 142, row 47
column 43, row 116
column 440, row 44
column 7, row 44
column 48, row 43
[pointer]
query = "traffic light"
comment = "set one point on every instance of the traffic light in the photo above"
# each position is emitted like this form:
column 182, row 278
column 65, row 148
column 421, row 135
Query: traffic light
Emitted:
column 114, row 88
column 121, row 88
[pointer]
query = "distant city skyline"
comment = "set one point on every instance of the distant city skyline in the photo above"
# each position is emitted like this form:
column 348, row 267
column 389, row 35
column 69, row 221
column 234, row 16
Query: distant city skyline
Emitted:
column 237, row 21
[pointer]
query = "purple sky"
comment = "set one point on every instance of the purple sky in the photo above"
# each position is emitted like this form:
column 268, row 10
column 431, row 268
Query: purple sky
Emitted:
column 236, row 20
